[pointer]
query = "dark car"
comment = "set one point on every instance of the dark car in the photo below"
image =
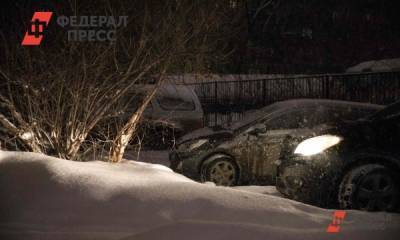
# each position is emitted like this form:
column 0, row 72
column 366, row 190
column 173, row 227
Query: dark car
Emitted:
column 351, row 165
column 246, row 151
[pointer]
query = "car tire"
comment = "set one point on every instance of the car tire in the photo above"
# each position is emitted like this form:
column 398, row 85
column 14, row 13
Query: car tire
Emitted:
column 370, row 187
column 220, row 169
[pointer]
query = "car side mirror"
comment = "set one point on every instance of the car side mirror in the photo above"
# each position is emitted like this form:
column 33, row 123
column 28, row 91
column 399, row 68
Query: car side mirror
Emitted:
column 257, row 129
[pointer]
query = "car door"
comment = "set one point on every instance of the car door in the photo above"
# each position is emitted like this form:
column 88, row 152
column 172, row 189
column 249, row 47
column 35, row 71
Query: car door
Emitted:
column 387, row 137
column 265, row 147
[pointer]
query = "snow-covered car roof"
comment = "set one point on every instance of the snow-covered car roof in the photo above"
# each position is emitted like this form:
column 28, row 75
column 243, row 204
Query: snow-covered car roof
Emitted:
column 300, row 103
column 165, row 90
column 376, row 66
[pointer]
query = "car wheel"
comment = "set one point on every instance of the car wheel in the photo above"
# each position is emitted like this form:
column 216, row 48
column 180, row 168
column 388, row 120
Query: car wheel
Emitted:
column 370, row 187
column 220, row 169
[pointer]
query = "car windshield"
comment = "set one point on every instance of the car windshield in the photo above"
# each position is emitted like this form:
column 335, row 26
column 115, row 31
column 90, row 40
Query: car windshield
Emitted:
column 254, row 117
column 393, row 109
column 286, row 115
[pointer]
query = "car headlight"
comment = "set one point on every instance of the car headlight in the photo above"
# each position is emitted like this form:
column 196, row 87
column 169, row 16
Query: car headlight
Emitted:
column 317, row 145
column 197, row 144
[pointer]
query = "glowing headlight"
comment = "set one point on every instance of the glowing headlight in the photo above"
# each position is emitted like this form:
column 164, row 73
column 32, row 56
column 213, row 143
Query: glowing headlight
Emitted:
column 317, row 145
column 197, row 144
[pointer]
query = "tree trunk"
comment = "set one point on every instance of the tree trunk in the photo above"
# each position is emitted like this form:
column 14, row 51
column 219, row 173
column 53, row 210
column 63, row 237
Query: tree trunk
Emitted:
column 124, row 136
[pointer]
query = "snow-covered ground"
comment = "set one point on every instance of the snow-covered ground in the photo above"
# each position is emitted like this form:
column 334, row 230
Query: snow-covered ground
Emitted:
column 49, row 198
column 158, row 157
column 269, row 190
column 161, row 157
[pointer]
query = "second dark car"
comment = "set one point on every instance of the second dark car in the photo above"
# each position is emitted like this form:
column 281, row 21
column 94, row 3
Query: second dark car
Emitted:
column 352, row 164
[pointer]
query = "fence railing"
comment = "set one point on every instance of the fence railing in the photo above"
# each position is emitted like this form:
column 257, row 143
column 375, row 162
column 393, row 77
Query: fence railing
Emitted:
column 226, row 101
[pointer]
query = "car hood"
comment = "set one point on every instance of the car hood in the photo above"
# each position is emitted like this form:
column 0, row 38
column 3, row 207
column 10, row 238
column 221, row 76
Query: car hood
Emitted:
column 343, row 128
column 208, row 133
column 222, row 134
column 303, row 133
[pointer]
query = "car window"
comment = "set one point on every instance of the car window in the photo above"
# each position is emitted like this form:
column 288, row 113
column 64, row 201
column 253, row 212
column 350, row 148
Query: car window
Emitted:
column 175, row 98
column 395, row 118
column 297, row 118
column 337, row 113
column 175, row 103
column 390, row 110
column 366, row 112
column 340, row 113
column 256, row 116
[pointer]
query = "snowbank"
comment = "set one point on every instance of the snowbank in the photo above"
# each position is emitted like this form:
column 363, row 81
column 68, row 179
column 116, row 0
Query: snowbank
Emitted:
column 49, row 198
column 270, row 190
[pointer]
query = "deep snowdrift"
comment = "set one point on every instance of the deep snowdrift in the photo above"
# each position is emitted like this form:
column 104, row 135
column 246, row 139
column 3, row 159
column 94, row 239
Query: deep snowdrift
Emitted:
column 48, row 198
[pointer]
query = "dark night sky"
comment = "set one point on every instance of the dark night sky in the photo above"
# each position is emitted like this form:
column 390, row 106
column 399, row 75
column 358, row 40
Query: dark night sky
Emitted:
column 334, row 46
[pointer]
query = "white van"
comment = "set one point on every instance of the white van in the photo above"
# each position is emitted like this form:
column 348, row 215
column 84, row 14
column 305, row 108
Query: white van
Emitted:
column 176, row 106
column 174, row 111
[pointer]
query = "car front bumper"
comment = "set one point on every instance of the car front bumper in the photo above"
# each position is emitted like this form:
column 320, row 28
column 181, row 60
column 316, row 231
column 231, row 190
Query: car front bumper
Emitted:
column 311, row 180
column 175, row 162
column 187, row 163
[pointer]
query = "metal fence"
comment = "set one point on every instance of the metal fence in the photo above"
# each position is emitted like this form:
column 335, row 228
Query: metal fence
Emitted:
column 228, row 100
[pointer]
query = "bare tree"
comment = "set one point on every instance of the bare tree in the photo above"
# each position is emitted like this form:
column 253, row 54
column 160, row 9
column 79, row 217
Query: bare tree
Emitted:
column 52, row 98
